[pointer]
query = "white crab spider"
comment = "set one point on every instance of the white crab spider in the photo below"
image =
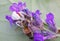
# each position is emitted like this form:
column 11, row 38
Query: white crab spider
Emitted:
column 16, row 16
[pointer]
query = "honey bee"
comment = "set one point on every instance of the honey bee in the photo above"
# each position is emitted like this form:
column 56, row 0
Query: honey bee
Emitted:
column 22, row 21
column 26, row 30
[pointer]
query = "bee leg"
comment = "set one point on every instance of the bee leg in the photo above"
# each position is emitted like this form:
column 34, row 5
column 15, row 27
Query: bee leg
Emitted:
column 18, row 28
column 29, row 35
column 58, row 31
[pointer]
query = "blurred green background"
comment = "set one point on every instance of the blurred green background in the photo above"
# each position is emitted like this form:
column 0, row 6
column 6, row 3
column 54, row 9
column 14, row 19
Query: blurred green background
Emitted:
column 8, row 33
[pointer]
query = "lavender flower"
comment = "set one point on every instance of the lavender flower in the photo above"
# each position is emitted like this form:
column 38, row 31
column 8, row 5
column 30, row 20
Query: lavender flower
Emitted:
column 35, row 25
column 35, row 22
column 8, row 17
column 36, row 16
column 17, row 7
column 50, row 22
column 37, row 19
column 40, row 35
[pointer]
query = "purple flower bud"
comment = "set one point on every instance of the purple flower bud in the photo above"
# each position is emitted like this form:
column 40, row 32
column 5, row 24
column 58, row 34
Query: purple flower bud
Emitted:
column 26, row 11
column 9, row 19
column 37, row 18
column 50, row 22
column 14, row 7
column 38, row 37
column 38, row 12
column 50, row 16
column 17, row 7
column 21, row 5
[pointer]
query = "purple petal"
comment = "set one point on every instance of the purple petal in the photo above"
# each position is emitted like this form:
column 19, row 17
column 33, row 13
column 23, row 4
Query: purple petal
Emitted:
column 9, row 19
column 21, row 5
column 50, row 16
column 38, row 37
column 24, row 5
column 25, row 10
column 14, row 7
column 38, row 12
